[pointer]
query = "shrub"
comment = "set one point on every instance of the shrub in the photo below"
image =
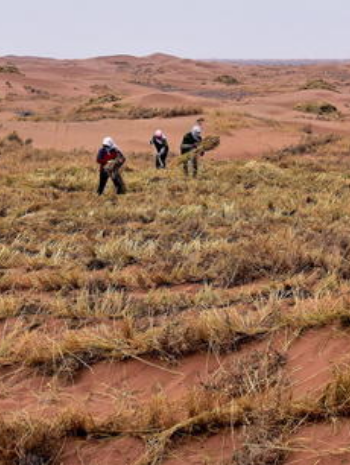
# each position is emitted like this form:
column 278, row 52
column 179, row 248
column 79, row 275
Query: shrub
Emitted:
column 14, row 137
column 318, row 108
column 11, row 141
column 227, row 79
column 319, row 84
column 9, row 68
column 106, row 98
column 97, row 112
column 180, row 111
column 309, row 145
column 149, row 112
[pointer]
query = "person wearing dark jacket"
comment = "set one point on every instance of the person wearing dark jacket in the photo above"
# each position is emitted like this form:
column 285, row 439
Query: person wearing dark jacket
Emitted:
column 110, row 159
column 160, row 143
column 190, row 142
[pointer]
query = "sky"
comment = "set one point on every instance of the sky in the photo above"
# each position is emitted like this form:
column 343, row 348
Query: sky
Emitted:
column 231, row 29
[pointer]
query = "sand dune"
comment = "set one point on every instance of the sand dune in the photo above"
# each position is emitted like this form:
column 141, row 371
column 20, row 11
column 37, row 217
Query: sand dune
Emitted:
column 50, row 89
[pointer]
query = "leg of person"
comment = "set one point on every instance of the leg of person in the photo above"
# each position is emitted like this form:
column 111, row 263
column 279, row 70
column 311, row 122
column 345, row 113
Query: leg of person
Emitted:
column 194, row 161
column 163, row 159
column 103, row 181
column 185, row 167
column 158, row 162
column 119, row 183
column 162, row 155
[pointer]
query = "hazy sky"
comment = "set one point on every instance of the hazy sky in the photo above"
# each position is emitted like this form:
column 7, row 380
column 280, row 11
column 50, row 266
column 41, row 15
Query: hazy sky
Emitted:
column 188, row 28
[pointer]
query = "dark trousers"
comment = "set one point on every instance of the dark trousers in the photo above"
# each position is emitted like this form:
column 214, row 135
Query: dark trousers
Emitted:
column 161, row 157
column 117, row 181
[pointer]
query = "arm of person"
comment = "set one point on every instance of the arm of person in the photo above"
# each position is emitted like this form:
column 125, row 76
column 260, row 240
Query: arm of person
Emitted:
column 120, row 157
column 100, row 159
column 189, row 146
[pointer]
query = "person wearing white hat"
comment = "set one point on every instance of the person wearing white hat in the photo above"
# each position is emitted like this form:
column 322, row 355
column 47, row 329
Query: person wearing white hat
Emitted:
column 190, row 142
column 160, row 143
column 111, row 159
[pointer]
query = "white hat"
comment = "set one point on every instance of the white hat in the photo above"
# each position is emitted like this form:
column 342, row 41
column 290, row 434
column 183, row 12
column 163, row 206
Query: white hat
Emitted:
column 159, row 133
column 109, row 142
column 196, row 130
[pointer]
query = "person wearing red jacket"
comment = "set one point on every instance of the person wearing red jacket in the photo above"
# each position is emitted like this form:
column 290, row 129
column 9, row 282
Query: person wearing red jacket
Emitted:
column 110, row 159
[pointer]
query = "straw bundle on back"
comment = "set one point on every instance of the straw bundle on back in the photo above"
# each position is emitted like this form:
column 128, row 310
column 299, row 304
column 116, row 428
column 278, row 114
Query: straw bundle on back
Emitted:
column 208, row 143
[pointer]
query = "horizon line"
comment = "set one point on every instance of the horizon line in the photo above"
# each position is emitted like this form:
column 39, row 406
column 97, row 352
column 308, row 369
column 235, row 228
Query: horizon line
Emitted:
column 169, row 55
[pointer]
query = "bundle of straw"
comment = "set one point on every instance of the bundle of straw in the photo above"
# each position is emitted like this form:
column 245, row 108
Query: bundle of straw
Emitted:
column 208, row 143
column 114, row 165
column 111, row 167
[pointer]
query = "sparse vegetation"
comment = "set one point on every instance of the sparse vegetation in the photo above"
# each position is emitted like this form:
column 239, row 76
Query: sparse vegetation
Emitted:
column 110, row 107
column 226, row 122
column 309, row 145
column 95, row 112
column 9, row 68
column 227, row 79
column 37, row 92
column 104, row 98
column 319, row 84
column 267, row 424
column 321, row 109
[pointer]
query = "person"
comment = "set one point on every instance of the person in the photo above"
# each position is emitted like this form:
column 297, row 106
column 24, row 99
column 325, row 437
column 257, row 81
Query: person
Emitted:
column 160, row 143
column 110, row 159
column 190, row 142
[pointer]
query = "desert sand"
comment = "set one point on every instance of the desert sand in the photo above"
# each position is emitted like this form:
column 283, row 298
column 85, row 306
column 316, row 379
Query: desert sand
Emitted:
column 70, row 105
column 255, row 116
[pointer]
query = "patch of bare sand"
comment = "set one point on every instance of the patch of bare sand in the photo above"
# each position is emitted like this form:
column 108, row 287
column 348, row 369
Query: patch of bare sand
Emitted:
column 134, row 136
column 312, row 357
column 160, row 100
column 321, row 444
column 102, row 387
column 120, row 451
column 217, row 449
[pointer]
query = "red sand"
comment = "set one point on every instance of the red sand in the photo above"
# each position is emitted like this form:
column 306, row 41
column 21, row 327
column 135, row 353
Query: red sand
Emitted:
column 266, row 96
column 217, row 449
column 312, row 357
column 323, row 444
column 310, row 360
column 120, row 451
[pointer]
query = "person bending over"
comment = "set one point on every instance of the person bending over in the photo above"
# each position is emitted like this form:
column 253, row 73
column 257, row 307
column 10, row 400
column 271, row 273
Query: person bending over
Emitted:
column 160, row 143
column 110, row 159
column 190, row 142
